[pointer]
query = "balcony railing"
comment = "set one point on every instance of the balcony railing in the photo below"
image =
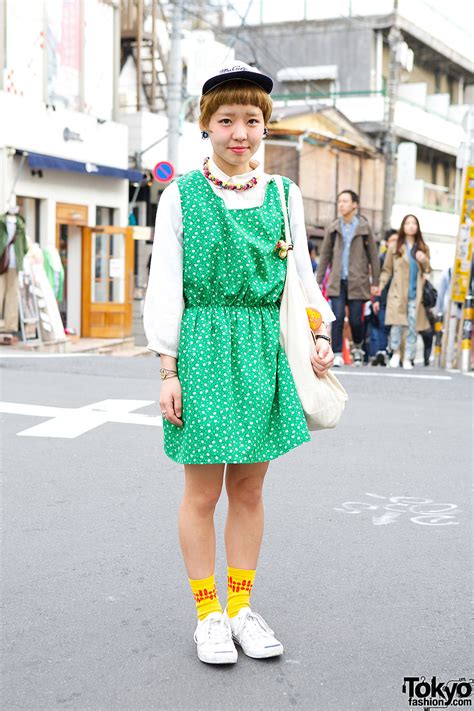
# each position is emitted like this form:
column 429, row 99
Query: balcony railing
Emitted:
column 411, row 119
column 437, row 197
column 319, row 213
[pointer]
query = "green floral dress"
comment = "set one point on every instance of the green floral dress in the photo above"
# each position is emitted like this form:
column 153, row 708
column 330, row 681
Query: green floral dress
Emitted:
column 239, row 399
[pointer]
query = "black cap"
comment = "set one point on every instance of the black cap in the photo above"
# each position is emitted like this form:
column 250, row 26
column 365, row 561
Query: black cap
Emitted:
column 238, row 70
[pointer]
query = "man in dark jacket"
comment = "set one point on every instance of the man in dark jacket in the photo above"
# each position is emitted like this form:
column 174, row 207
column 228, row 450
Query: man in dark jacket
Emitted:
column 350, row 251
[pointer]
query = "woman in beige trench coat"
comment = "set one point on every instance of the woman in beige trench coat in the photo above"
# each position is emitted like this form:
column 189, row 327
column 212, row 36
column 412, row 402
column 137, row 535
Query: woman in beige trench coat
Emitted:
column 406, row 263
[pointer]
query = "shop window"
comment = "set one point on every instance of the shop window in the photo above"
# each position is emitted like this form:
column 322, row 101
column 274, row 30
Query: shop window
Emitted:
column 108, row 263
column 321, row 86
column 30, row 210
column 104, row 215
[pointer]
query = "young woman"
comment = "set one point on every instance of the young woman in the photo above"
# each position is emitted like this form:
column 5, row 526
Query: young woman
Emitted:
column 406, row 263
column 228, row 398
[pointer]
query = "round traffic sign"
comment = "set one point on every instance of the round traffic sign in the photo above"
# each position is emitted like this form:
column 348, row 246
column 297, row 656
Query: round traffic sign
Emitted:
column 163, row 171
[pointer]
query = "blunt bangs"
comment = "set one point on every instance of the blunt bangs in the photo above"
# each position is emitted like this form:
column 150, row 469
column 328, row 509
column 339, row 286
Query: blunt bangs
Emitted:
column 235, row 92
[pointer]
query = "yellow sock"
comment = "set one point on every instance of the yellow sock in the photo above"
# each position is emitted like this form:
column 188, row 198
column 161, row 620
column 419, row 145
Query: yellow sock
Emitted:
column 205, row 595
column 239, row 587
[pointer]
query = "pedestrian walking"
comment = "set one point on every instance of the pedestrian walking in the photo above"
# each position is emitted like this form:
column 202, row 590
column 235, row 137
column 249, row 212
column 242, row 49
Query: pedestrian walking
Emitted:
column 349, row 249
column 379, row 332
column 313, row 253
column 428, row 337
column 444, row 289
column 406, row 264
column 228, row 398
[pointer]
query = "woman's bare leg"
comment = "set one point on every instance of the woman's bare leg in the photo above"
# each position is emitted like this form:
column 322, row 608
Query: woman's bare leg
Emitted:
column 202, row 489
column 245, row 517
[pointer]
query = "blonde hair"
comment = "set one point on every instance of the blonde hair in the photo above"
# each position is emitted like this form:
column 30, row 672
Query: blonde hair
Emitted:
column 235, row 92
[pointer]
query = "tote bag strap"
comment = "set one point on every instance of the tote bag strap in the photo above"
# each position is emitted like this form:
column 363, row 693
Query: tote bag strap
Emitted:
column 279, row 183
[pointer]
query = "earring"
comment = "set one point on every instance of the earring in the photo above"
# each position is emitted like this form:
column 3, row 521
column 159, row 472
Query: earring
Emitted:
column 265, row 133
column 204, row 134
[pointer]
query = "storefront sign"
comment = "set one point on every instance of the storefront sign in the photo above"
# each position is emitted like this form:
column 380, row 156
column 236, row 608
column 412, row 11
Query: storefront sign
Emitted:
column 116, row 268
column 28, row 308
column 465, row 242
column 141, row 232
column 467, row 212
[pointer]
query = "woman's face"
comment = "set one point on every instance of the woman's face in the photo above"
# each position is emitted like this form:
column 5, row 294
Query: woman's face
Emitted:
column 236, row 133
column 410, row 227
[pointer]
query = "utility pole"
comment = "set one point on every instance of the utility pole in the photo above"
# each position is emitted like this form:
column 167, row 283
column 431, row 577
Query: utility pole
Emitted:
column 116, row 59
column 458, row 325
column 394, row 40
column 175, row 78
column 153, row 56
column 139, row 36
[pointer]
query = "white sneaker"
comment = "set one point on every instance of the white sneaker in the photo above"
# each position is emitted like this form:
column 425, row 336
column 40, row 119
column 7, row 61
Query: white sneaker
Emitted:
column 338, row 361
column 395, row 360
column 252, row 633
column 214, row 640
column 407, row 365
column 357, row 357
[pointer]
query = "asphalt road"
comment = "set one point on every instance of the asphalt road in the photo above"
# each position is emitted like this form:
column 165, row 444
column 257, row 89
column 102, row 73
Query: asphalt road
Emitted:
column 364, row 571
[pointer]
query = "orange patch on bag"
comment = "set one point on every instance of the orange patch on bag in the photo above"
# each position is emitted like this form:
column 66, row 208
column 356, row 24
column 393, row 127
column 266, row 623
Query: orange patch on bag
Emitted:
column 315, row 319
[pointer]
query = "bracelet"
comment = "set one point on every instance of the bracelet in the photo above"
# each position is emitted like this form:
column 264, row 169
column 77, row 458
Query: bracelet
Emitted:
column 166, row 373
column 321, row 335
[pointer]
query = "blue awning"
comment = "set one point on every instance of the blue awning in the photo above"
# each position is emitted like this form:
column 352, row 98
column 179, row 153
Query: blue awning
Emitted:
column 39, row 161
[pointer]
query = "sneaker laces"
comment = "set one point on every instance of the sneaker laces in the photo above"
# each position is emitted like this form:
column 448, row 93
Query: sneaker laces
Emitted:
column 254, row 624
column 218, row 631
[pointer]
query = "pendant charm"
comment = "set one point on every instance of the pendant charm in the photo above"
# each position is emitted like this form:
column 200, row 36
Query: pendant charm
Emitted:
column 282, row 247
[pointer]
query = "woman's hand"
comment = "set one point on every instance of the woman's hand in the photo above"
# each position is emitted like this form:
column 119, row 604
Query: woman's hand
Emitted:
column 323, row 358
column 420, row 256
column 171, row 401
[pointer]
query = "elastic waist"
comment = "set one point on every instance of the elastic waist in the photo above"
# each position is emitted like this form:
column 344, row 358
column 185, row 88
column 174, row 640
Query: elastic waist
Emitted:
column 271, row 306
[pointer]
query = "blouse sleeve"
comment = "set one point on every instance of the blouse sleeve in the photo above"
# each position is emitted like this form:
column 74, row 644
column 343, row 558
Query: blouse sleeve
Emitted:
column 164, row 303
column 302, row 258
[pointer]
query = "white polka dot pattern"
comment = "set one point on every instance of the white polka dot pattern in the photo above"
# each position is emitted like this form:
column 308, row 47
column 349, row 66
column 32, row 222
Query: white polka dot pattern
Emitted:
column 239, row 399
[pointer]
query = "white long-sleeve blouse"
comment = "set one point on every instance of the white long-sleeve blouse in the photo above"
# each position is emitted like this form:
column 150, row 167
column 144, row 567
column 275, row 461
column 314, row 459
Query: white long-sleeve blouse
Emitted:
column 164, row 302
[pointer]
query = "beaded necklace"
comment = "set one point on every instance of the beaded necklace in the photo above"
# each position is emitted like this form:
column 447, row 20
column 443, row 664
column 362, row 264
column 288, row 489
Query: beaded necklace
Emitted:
column 226, row 185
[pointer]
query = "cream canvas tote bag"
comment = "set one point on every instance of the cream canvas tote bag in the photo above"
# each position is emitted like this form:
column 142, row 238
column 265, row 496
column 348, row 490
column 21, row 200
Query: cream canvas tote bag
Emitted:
column 323, row 399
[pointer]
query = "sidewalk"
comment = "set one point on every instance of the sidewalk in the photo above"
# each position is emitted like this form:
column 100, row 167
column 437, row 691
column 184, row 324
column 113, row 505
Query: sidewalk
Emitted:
column 124, row 347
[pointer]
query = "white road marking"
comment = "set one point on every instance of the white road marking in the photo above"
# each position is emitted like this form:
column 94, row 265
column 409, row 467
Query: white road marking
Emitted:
column 70, row 422
column 388, row 517
column 391, row 375
column 430, row 513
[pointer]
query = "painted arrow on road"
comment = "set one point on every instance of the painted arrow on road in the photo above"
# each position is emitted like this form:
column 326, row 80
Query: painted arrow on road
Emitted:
column 71, row 422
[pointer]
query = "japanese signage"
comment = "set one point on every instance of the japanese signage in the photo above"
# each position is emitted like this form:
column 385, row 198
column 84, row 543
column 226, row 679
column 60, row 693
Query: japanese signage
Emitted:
column 465, row 243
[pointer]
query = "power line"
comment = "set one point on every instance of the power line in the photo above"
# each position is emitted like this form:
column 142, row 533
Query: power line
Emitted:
column 264, row 48
column 242, row 24
column 254, row 48
column 213, row 27
column 239, row 29
column 255, row 44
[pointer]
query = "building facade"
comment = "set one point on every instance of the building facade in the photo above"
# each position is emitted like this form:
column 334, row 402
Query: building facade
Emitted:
column 324, row 154
column 64, row 155
column 320, row 59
